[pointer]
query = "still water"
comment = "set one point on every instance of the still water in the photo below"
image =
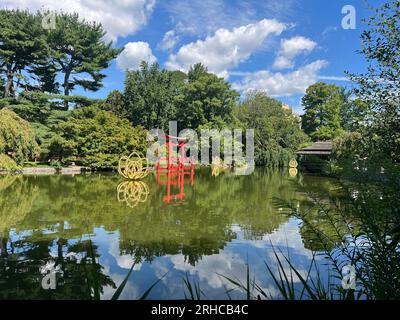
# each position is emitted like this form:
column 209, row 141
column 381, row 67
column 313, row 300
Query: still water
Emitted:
column 91, row 230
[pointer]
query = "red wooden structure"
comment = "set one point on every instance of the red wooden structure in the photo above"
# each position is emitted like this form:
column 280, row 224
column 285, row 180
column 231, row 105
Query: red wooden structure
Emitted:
column 179, row 163
column 175, row 168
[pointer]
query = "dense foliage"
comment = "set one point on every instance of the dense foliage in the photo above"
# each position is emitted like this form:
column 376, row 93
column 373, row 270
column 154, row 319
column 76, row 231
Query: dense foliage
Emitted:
column 277, row 131
column 7, row 164
column 150, row 94
column 77, row 47
column 39, row 69
column 16, row 137
column 205, row 99
column 379, row 87
column 323, row 104
column 96, row 138
column 22, row 46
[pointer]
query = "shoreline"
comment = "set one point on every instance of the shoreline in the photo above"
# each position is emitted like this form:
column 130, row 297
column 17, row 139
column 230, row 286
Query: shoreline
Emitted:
column 49, row 170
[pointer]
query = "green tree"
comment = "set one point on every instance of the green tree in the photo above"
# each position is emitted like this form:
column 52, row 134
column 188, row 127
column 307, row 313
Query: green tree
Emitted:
column 354, row 114
column 197, row 71
column 115, row 103
column 205, row 98
column 2, row 83
column 277, row 130
column 22, row 45
column 96, row 138
column 323, row 105
column 379, row 86
column 77, row 48
column 17, row 138
column 150, row 95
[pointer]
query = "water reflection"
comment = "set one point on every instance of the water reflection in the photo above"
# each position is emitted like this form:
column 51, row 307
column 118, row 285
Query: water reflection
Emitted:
column 77, row 223
column 175, row 179
column 133, row 192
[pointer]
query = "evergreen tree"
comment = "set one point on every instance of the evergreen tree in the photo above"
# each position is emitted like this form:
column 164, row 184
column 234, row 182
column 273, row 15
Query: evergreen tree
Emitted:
column 22, row 45
column 78, row 51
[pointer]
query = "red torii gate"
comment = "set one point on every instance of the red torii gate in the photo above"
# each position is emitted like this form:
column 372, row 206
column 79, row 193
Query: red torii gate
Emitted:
column 179, row 165
column 179, row 162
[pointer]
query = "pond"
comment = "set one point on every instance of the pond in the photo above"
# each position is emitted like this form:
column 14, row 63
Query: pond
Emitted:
column 91, row 230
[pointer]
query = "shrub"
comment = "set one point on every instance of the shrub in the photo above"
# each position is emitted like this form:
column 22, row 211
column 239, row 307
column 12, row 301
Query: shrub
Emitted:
column 17, row 138
column 96, row 138
column 7, row 164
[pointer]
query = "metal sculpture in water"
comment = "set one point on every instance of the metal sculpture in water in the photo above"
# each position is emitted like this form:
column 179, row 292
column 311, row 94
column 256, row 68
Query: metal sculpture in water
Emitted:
column 293, row 163
column 293, row 168
column 133, row 167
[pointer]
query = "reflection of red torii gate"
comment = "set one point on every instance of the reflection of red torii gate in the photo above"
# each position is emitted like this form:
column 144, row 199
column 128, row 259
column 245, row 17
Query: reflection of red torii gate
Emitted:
column 176, row 166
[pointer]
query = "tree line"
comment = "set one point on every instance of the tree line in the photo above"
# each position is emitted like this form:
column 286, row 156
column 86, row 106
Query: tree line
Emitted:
column 39, row 68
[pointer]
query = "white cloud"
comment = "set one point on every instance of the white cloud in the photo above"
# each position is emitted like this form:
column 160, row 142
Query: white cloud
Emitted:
column 204, row 17
column 119, row 18
column 169, row 41
column 290, row 48
column 334, row 78
column 279, row 84
column 134, row 53
column 226, row 48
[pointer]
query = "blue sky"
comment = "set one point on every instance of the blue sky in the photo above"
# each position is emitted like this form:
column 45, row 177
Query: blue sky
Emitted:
column 278, row 46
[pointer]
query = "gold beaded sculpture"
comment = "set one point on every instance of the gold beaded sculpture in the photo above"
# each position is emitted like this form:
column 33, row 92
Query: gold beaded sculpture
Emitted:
column 293, row 164
column 132, row 192
column 133, row 167
column 216, row 166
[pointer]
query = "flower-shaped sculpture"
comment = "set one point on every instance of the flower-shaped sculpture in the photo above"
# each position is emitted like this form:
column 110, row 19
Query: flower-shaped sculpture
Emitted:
column 133, row 167
column 293, row 164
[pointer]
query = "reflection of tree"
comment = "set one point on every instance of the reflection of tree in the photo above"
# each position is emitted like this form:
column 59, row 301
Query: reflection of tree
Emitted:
column 361, row 229
column 324, row 212
column 17, row 197
column 60, row 210
column 82, row 276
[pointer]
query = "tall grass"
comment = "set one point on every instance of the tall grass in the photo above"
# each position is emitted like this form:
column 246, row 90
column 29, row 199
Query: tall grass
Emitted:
column 193, row 288
column 359, row 227
column 144, row 296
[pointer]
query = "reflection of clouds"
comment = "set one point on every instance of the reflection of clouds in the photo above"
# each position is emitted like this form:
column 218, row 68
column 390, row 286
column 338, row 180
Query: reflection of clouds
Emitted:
column 231, row 262
column 123, row 261
column 209, row 267
column 131, row 290
column 160, row 268
column 286, row 237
